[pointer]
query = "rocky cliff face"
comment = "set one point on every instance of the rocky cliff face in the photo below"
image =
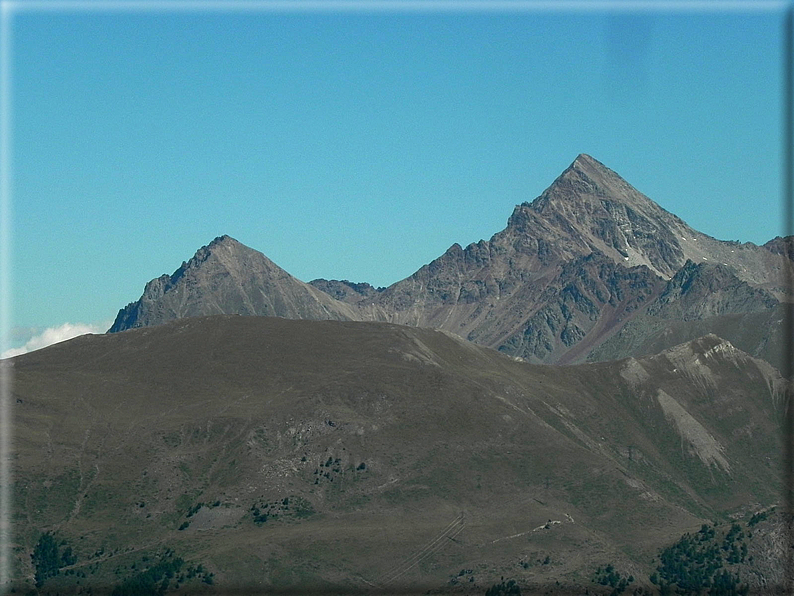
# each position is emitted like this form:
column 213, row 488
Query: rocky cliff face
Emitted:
column 590, row 208
column 781, row 246
column 572, row 268
column 346, row 291
column 699, row 291
column 703, row 298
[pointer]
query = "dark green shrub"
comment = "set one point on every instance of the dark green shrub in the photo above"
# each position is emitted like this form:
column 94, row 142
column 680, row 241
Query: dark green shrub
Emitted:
column 508, row 588
column 45, row 559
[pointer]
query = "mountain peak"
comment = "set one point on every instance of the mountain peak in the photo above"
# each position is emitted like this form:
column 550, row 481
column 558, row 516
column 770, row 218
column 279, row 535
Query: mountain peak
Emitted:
column 224, row 239
column 589, row 208
column 227, row 277
column 587, row 257
column 588, row 176
column 222, row 245
column 585, row 160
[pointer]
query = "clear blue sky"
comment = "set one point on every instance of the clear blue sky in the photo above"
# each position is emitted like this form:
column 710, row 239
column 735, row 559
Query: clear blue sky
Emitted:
column 361, row 146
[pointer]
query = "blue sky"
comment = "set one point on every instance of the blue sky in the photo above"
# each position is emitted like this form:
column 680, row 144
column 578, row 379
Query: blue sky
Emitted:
column 361, row 145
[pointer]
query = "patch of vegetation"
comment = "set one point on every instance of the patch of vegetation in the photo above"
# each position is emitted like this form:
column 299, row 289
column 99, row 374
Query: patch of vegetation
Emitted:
column 759, row 517
column 173, row 439
column 695, row 564
column 302, row 508
column 461, row 576
column 155, row 580
column 527, row 563
column 67, row 557
column 48, row 560
column 609, row 576
column 504, row 588
column 332, row 468
column 289, row 507
column 45, row 559
column 735, row 551
column 194, row 509
column 183, row 502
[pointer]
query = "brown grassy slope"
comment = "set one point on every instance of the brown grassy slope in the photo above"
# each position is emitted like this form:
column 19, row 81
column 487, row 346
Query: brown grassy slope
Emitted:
column 467, row 455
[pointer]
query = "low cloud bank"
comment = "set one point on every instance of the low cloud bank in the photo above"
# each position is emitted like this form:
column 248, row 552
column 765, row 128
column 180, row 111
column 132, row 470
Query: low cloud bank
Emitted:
column 53, row 335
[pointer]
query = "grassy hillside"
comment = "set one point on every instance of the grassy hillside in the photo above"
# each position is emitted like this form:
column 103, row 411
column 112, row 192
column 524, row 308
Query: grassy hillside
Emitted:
column 256, row 454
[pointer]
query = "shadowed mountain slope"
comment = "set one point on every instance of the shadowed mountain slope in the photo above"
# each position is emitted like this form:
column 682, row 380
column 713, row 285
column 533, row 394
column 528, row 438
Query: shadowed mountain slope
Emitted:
column 699, row 291
column 347, row 456
column 760, row 334
column 781, row 246
column 703, row 298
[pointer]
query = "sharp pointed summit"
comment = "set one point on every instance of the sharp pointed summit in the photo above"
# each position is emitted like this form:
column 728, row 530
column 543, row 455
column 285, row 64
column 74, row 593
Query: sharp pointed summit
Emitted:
column 224, row 241
column 590, row 208
column 587, row 176
column 591, row 174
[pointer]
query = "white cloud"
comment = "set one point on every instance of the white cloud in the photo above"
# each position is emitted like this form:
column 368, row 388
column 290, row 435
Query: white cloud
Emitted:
column 53, row 335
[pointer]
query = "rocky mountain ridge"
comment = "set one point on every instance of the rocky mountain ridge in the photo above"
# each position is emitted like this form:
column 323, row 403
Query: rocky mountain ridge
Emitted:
column 568, row 273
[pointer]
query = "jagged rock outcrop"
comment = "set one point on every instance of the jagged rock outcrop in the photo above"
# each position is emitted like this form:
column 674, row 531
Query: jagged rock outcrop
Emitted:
column 700, row 299
column 781, row 246
column 346, row 291
column 698, row 291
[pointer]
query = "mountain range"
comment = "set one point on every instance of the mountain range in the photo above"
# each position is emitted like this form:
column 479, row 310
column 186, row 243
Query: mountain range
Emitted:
column 590, row 270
